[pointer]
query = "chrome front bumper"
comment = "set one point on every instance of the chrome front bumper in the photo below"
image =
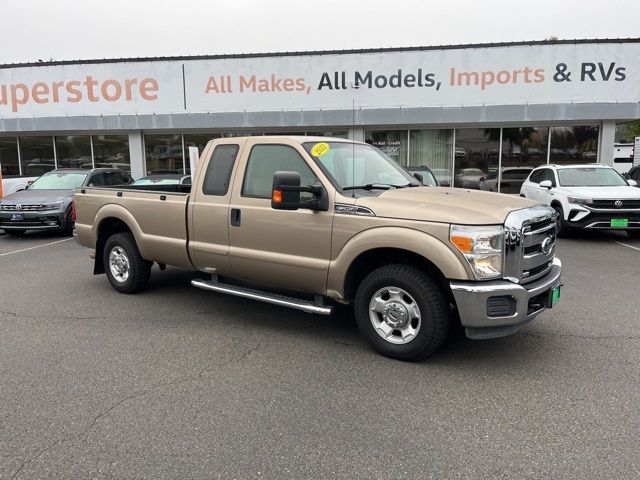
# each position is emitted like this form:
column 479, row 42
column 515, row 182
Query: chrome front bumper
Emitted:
column 530, row 300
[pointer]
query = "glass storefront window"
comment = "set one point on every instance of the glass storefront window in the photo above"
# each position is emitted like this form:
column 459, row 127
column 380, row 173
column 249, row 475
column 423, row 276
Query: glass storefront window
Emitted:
column 36, row 155
column 433, row 149
column 9, row 156
column 524, row 146
column 477, row 151
column 578, row 144
column 163, row 153
column 391, row 142
column 112, row 151
column 74, row 151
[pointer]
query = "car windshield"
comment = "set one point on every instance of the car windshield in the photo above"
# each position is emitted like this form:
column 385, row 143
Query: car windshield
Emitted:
column 355, row 164
column 58, row 181
column 157, row 181
column 590, row 177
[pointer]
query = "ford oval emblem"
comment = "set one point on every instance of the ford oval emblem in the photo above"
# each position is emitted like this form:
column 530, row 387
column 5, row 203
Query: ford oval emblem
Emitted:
column 618, row 204
column 547, row 244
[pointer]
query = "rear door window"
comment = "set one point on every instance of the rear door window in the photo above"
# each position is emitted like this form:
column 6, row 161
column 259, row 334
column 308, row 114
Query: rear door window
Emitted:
column 218, row 174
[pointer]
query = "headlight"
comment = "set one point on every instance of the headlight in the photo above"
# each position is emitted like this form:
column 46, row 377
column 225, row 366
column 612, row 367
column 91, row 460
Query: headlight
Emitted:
column 580, row 201
column 50, row 206
column 481, row 247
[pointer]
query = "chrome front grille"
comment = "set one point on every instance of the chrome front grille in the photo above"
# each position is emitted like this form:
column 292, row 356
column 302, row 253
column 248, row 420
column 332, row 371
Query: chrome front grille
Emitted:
column 530, row 237
column 22, row 208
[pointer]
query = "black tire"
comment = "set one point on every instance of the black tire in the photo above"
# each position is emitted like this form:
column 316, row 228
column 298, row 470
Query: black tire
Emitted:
column 562, row 228
column 139, row 269
column 67, row 227
column 434, row 313
column 15, row 233
column 635, row 234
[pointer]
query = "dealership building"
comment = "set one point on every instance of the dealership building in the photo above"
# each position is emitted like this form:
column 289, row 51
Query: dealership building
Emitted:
column 463, row 110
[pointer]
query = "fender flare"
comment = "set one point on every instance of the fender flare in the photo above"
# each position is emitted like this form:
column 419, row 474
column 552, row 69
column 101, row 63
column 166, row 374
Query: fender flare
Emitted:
column 113, row 210
column 427, row 246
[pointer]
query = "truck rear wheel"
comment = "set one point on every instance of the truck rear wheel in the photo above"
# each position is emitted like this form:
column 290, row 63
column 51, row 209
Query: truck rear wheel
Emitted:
column 126, row 270
column 402, row 312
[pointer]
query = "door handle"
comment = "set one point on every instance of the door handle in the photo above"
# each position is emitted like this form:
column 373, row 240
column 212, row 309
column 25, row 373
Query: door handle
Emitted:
column 235, row 217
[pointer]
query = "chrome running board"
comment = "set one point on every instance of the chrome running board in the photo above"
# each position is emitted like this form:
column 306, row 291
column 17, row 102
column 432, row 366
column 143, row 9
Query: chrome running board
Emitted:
column 275, row 299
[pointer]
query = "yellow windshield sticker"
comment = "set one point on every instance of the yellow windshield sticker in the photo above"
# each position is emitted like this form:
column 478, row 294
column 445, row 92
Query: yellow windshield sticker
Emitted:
column 319, row 149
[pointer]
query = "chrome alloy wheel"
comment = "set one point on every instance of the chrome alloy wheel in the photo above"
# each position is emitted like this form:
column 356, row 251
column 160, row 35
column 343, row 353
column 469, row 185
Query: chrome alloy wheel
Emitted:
column 395, row 315
column 119, row 264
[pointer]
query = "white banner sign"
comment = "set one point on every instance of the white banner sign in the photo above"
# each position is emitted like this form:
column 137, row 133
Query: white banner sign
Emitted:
column 636, row 151
column 514, row 75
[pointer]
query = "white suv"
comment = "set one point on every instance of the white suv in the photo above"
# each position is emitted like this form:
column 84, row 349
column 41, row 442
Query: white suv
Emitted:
column 586, row 196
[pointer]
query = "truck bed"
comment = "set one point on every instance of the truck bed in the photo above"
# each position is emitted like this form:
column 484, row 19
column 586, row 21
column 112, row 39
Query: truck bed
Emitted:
column 157, row 218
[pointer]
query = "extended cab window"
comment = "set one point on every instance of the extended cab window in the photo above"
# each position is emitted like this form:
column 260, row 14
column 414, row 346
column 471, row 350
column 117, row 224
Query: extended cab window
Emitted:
column 265, row 160
column 218, row 176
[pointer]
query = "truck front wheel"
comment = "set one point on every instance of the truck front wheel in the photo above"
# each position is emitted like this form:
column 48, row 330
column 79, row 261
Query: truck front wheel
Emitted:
column 126, row 270
column 402, row 312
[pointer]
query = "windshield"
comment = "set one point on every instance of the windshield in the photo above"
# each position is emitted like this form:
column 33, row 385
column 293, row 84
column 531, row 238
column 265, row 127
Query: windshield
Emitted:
column 58, row 181
column 157, row 181
column 353, row 164
column 590, row 177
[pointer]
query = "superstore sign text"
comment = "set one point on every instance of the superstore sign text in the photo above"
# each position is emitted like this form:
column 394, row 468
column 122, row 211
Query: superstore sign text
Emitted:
column 573, row 73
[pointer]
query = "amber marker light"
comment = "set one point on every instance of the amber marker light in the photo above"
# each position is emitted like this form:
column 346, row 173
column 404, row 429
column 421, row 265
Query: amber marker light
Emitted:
column 464, row 244
column 276, row 196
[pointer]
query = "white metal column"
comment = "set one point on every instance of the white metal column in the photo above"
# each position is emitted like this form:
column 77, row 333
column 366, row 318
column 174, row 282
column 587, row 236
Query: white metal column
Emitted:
column 499, row 160
column 93, row 156
column 356, row 133
column 453, row 159
column 136, row 154
column 19, row 156
column 55, row 152
column 606, row 142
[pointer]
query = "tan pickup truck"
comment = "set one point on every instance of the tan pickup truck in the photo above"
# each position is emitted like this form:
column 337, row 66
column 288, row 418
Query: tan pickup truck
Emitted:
column 308, row 222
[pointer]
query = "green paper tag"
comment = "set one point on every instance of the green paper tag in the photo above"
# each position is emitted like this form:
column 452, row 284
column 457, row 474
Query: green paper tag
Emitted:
column 619, row 222
column 555, row 295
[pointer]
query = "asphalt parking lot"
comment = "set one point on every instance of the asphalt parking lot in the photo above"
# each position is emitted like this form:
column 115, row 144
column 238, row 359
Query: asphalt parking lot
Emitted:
column 181, row 383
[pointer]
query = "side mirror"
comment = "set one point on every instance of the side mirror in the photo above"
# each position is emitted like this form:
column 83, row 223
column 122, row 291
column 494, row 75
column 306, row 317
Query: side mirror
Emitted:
column 419, row 177
column 546, row 184
column 285, row 193
column 632, row 183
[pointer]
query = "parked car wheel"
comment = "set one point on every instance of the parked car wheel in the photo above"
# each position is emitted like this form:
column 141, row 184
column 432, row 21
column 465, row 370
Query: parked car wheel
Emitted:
column 402, row 312
column 126, row 270
column 67, row 226
column 562, row 228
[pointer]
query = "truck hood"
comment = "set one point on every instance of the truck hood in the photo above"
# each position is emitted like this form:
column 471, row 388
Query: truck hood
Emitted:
column 37, row 196
column 603, row 193
column 445, row 205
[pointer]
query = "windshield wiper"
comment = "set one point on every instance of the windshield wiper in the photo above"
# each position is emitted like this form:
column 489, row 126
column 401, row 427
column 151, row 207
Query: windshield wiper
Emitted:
column 407, row 185
column 369, row 186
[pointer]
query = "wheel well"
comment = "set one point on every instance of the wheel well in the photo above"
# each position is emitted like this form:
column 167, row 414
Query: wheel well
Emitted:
column 108, row 226
column 368, row 261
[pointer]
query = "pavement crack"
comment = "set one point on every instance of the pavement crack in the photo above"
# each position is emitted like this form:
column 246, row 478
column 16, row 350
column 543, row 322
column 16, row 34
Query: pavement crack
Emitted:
column 104, row 413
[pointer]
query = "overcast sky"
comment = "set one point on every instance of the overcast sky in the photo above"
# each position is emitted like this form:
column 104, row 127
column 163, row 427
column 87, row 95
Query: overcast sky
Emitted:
column 86, row 29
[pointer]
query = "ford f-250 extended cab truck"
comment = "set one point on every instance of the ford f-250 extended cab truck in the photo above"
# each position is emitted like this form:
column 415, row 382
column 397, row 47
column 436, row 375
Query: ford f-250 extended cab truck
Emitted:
column 305, row 222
